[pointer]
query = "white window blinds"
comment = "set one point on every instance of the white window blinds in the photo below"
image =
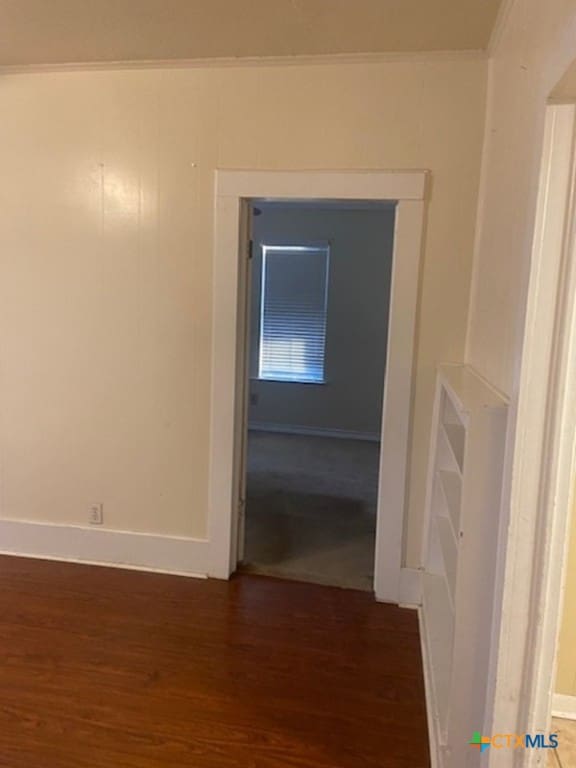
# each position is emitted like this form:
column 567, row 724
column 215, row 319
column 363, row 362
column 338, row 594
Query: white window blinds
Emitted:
column 293, row 313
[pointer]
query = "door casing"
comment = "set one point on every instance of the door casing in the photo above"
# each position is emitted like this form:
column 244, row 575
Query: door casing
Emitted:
column 234, row 190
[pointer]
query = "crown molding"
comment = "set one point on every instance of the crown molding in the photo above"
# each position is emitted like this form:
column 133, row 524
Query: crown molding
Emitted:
column 256, row 61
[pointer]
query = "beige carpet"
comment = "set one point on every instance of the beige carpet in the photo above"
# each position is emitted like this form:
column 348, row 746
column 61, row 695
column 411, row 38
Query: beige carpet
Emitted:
column 311, row 508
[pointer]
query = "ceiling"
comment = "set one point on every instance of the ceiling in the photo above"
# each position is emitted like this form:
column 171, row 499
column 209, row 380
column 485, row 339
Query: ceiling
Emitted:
column 35, row 32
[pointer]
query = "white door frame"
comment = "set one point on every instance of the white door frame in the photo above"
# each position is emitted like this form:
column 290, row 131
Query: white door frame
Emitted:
column 233, row 190
column 540, row 465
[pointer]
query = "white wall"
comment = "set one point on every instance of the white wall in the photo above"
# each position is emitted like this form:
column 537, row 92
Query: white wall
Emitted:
column 106, row 215
column 535, row 50
column 361, row 243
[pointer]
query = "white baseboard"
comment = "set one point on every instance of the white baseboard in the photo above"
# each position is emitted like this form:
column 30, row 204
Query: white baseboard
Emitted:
column 402, row 587
column 289, row 429
column 564, row 706
column 97, row 546
column 436, row 758
column 410, row 594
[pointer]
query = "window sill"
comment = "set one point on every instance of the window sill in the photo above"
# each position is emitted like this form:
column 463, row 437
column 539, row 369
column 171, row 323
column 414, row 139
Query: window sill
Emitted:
column 322, row 383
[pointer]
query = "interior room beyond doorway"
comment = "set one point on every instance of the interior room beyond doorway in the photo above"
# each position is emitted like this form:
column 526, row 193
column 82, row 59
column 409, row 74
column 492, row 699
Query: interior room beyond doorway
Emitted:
column 319, row 301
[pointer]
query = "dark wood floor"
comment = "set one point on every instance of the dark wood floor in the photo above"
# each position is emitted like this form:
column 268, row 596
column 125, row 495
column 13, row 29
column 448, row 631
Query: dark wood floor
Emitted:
column 104, row 668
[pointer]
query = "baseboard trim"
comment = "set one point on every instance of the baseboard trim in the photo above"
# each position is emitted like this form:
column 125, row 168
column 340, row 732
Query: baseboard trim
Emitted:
column 564, row 706
column 289, row 429
column 96, row 546
column 436, row 760
column 410, row 593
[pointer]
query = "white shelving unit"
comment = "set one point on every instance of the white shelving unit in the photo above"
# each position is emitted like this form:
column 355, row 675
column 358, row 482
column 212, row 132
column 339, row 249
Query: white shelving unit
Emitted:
column 463, row 501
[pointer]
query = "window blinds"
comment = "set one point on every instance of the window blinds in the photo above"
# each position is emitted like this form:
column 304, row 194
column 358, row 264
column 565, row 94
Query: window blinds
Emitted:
column 293, row 313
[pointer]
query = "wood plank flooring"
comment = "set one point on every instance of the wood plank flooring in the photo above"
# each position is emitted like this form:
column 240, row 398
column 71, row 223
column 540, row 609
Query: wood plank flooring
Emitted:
column 103, row 668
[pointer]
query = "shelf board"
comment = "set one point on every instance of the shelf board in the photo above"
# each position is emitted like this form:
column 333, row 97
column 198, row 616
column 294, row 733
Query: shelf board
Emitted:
column 451, row 484
column 445, row 460
column 468, row 390
column 456, row 436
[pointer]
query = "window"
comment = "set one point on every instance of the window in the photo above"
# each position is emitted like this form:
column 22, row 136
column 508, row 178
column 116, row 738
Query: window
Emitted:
column 293, row 313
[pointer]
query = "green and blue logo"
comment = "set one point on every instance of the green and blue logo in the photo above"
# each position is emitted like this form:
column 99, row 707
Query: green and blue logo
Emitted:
column 513, row 741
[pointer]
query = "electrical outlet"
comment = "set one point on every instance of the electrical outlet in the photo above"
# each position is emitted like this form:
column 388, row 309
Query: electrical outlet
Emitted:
column 96, row 514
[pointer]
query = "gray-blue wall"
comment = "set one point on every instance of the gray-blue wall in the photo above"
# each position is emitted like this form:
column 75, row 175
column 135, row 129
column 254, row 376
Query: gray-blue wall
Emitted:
column 357, row 319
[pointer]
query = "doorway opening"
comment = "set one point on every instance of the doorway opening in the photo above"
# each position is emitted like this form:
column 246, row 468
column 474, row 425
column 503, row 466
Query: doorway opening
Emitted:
column 317, row 329
column 235, row 191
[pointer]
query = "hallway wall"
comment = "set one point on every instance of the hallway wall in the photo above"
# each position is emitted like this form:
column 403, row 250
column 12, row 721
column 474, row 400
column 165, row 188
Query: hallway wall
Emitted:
column 106, row 235
column 535, row 50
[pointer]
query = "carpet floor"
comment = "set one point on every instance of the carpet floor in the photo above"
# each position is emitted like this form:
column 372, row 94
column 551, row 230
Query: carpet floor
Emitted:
column 311, row 508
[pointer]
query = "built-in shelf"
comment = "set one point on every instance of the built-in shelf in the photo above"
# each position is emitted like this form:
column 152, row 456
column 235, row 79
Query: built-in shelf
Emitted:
column 462, row 508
